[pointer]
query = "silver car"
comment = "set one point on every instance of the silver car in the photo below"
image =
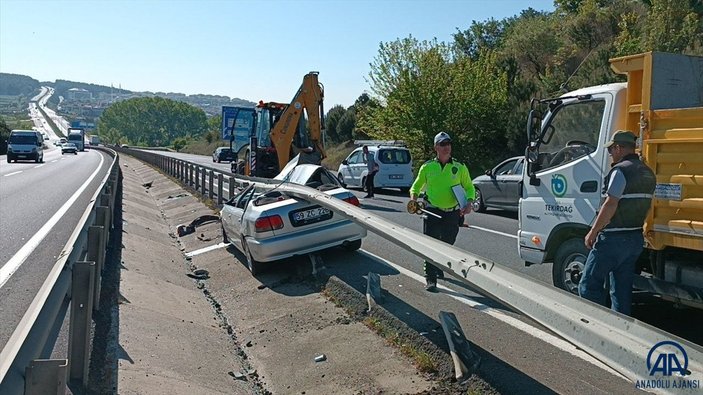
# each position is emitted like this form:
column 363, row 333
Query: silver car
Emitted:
column 500, row 186
column 268, row 226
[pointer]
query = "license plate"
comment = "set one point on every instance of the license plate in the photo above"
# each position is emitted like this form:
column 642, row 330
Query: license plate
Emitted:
column 395, row 176
column 309, row 216
column 21, row 156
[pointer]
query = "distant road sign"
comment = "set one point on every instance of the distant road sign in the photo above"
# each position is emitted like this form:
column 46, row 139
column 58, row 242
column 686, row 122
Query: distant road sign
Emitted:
column 239, row 120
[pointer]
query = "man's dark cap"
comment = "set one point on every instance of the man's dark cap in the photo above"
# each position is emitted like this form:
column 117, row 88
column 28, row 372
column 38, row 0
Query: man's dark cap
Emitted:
column 622, row 137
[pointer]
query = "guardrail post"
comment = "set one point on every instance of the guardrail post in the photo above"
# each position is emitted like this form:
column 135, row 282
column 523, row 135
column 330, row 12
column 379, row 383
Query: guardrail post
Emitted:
column 82, row 288
column 105, row 202
column 45, row 376
column 203, row 174
column 197, row 177
column 191, row 181
column 231, row 188
column 220, row 187
column 96, row 253
column 211, row 182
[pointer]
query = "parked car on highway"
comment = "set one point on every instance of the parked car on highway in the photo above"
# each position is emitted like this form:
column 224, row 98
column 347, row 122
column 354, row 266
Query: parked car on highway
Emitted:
column 223, row 153
column 500, row 186
column 25, row 144
column 69, row 148
column 395, row 166
column 268, row 226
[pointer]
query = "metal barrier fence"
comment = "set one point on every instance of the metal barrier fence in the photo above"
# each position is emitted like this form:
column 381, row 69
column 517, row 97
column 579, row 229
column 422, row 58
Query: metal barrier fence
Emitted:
column 623, row 343
column 73, row 282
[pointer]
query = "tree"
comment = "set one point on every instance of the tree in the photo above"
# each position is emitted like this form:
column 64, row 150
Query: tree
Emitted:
column 144, row 121
column 674, row 26
column 425, row 87
column 332, row 120
column 345, row 127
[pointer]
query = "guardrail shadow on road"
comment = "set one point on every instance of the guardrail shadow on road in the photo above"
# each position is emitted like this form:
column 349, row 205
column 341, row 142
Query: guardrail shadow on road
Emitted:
column 493, row 370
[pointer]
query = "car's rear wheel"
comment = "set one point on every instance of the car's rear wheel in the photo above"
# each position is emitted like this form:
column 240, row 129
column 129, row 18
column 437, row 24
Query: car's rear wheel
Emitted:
column 75, row 153
column 253, row 265
column 352, row 245
column 569, row 263
column 478, row 205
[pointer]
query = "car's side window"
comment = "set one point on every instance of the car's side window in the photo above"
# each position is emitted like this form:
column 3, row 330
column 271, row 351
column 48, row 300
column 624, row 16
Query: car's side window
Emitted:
column 518, row 168
column 354, row 159
column 505, row 168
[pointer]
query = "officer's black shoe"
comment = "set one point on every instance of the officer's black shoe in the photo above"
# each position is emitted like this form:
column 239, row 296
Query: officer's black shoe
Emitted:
column 431, row 286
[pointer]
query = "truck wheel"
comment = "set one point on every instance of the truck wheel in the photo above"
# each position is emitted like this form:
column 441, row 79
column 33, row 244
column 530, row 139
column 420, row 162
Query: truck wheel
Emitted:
column 253, row 265
column 569, row 262
column 478, row 205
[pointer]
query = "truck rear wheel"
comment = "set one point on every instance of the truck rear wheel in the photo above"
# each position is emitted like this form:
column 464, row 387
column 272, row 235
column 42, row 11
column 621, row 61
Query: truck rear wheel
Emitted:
column 569, row 262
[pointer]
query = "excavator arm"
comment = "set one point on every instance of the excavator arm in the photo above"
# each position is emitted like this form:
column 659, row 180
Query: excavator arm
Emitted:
column 309, row 98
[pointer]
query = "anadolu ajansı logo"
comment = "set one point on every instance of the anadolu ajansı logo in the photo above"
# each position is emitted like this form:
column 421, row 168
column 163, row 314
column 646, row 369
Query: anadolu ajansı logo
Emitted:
column 666, row 359
column 558, row 185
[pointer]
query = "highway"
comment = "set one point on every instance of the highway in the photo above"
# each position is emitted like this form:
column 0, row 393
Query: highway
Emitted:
column 40, row 206
column 492, row 235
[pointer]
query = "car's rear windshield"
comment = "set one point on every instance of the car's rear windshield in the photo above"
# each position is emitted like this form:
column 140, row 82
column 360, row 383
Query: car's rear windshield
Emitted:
column 394, row 156
column 23, row 138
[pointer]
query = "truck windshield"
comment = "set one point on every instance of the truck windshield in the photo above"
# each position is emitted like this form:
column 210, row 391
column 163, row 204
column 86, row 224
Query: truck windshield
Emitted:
column 576, row 129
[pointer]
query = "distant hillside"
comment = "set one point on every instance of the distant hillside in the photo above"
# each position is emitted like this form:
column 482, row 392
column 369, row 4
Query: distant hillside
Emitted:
column 17, row 85
column 21, row 85
column 62, row 86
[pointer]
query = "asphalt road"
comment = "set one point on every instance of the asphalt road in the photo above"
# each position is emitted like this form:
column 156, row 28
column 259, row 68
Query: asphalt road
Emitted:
column 492, row 235
column 39, row 199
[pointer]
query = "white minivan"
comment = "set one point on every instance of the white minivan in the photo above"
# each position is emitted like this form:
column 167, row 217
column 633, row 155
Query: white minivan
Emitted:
column 25, row 144
column 395, row 165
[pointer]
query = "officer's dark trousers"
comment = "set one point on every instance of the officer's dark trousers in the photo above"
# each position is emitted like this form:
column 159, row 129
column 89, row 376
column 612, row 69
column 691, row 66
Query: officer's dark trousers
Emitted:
column 444, row 229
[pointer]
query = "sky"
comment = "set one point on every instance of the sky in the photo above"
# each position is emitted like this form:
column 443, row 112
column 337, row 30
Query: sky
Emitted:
column 254, row 50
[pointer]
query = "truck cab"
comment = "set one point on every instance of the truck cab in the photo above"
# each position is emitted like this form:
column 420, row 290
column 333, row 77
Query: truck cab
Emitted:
column 563, row 184
column 567, row 161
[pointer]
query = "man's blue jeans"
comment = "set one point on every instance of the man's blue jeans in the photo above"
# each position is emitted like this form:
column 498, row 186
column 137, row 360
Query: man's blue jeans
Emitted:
column 613, row 254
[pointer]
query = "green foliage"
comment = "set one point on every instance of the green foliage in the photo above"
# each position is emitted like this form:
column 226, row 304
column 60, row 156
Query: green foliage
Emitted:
column 4, row 135
column 152, row 121
column 674, row 26
column 345, row 127
column 332, row 120
column 180, row 143
column 426, row 87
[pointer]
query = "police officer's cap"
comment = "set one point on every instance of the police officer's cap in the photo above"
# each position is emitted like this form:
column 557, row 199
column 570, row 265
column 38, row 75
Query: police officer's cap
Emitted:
column 622, row 137
column 441, row 136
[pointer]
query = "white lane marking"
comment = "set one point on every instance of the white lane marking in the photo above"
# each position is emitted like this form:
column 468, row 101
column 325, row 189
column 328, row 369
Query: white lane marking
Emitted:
column 206, row 249
column 18, row 259
column 493, row 231
column 13, row 173
column 36, row 167
column 502, row 316
column 55, row 160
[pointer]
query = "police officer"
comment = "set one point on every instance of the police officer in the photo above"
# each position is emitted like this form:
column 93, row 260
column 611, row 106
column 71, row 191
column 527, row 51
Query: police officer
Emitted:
column 437, row 177
column 616, row 240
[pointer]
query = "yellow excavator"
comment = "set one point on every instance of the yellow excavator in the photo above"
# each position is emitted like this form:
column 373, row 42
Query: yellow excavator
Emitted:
column 281, row 131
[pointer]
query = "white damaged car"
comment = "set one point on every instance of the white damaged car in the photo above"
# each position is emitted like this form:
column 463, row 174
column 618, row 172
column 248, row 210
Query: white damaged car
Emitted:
column 268, row 225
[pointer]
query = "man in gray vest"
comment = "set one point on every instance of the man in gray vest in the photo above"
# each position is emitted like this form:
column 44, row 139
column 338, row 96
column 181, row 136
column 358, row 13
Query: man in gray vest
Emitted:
column 616, row 240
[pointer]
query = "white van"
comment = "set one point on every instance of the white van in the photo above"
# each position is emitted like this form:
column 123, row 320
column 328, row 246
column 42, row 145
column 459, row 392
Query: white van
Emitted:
column 25, row 144
column 395, row 165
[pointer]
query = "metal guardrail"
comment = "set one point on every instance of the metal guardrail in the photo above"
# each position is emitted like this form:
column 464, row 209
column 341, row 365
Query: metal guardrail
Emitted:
column 621, row 342
column 73, row 282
